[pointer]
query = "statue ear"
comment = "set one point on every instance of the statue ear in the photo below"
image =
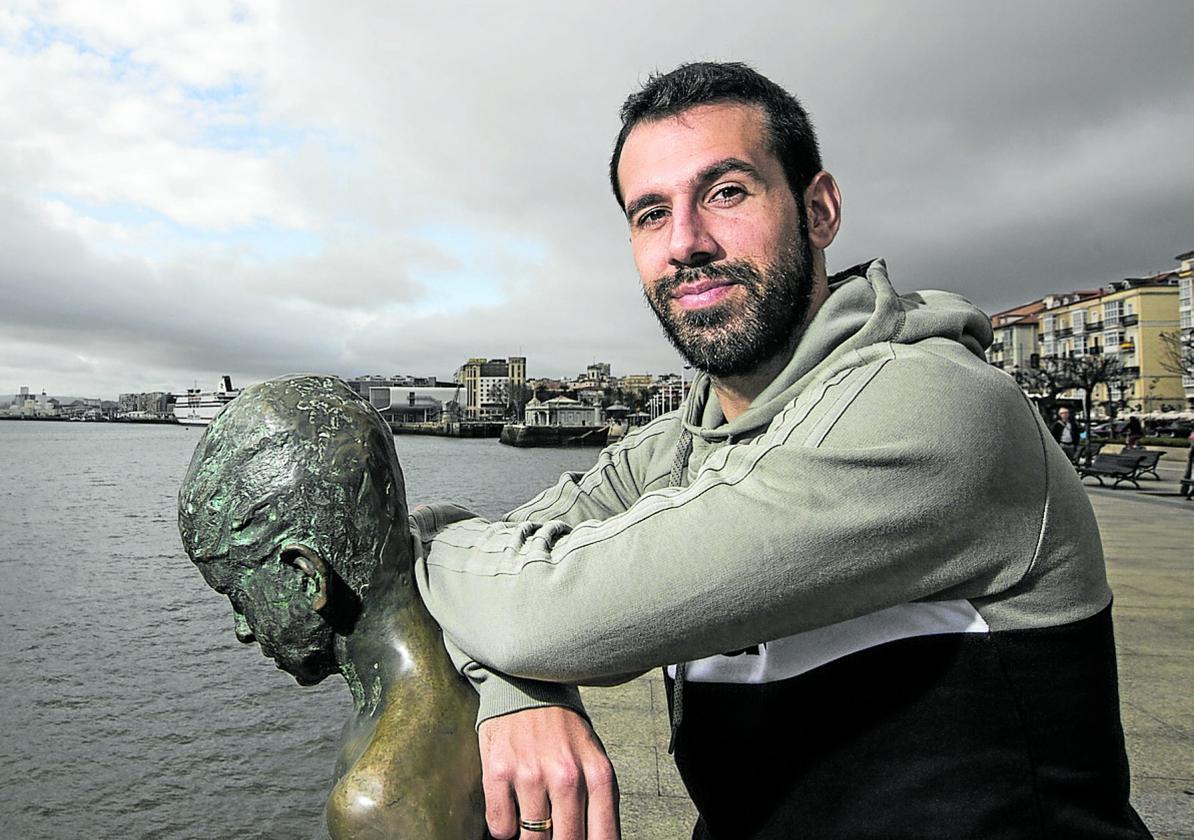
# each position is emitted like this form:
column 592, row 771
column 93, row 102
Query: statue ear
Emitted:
column 312, row 567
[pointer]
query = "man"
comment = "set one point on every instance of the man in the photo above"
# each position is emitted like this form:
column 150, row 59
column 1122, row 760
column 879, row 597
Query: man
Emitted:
column 1065, row 431
column 294, row 507
column 887, row 586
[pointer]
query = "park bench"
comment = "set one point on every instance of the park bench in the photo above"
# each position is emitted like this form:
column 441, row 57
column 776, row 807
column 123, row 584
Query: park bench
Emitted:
column 1081, row 452
column 1148, row 463
column 1120, row 467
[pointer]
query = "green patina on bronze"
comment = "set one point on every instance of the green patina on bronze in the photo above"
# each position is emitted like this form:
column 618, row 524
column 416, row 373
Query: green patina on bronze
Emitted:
column 294, row 507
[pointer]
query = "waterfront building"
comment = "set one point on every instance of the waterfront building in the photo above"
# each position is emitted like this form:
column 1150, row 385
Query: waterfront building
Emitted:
column 362, row 384
column 637, row 381
column 598, row 374
column 590, row 395
column 562, row 411
column 492, row 387
column 415, row 404
column 150, row 403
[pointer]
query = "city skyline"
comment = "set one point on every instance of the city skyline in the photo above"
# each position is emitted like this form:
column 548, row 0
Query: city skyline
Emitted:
column 198, row 189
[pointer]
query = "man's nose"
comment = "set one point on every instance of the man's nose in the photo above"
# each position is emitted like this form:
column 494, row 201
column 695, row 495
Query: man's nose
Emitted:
column 691, row 243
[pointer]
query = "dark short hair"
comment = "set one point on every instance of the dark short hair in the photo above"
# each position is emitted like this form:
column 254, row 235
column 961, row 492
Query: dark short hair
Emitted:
column 793, row 140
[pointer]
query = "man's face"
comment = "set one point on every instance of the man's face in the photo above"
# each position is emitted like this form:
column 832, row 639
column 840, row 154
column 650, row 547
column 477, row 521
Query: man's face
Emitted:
column 1064, row 414
column 718, row 238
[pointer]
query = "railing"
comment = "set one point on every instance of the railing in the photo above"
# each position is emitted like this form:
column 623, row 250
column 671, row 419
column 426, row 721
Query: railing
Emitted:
column 1065, row 332
column 1129, row 320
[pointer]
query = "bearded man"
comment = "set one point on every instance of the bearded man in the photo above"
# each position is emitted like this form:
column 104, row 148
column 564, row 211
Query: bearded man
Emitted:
column 876, row 586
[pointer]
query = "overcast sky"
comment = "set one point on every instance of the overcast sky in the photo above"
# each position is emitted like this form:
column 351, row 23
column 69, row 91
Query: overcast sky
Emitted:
column 191, row 189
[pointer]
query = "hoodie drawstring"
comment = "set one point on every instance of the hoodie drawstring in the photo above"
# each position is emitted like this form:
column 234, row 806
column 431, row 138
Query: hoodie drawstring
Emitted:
column 676, row 479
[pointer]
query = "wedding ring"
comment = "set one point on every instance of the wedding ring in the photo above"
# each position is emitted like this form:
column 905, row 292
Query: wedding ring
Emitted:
column 536, row 825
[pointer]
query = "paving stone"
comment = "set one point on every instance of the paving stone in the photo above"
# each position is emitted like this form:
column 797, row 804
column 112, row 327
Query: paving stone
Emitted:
column 637, row 769
column 657, row 818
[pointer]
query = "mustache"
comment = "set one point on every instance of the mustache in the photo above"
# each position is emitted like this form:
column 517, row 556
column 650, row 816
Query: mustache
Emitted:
column 737, row 271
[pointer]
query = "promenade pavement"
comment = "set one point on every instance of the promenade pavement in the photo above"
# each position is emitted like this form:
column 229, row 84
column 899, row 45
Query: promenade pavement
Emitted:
column 1148, row 539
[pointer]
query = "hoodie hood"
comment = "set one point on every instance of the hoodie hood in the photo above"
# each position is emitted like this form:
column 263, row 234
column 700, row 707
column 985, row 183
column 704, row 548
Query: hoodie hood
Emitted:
column 862, row 309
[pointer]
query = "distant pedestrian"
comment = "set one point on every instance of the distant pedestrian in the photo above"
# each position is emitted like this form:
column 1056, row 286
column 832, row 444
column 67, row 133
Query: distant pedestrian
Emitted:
column 1188, row 489
column 1065, row 431
column 1134, row 432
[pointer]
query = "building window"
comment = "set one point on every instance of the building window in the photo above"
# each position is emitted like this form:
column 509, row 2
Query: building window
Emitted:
column 1112, row 311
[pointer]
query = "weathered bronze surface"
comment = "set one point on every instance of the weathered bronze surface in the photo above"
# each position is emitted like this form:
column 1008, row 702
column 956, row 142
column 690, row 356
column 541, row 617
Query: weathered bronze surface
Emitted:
column 295, row 508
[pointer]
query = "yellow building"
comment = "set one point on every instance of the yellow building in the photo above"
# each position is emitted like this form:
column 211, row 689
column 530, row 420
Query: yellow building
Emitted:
column 1125, row 319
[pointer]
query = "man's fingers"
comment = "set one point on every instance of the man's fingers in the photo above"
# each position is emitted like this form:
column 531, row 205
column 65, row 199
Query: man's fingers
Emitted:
column 501, row 813
column 533, row 804
column 566, row 784
column 603, row 819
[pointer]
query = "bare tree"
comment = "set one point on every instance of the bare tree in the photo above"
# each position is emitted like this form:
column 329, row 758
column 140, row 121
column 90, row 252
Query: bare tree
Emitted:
column 1088, row 372
column 1043, row 383
column 1179, row 352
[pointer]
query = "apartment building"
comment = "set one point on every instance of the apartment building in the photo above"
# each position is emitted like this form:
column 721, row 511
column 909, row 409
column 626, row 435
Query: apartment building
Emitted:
column 1185, row 312
column 490, row 385
column 1126, row 319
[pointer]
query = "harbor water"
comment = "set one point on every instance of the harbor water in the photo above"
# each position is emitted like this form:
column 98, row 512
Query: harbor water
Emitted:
column 128, row 708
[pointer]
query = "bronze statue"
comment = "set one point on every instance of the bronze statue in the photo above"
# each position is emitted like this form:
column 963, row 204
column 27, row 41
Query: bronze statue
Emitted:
column 294, row 507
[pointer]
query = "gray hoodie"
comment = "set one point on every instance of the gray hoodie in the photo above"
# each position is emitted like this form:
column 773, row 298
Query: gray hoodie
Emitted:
column 889, row 483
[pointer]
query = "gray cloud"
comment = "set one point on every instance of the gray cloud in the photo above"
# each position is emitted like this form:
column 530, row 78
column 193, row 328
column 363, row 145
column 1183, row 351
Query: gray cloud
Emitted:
column 1000, row 151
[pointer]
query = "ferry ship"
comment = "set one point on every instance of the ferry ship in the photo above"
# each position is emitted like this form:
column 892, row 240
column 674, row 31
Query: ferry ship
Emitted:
column 198, row 408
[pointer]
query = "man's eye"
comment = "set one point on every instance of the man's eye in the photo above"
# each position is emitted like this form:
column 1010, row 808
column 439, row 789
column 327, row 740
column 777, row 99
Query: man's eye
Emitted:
column 726, row 194
column 652, row 218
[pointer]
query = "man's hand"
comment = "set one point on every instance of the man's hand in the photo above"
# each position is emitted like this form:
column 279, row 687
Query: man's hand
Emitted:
column 547, row 762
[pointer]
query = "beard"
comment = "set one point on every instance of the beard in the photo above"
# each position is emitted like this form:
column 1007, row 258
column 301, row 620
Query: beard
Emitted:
column 731, row 338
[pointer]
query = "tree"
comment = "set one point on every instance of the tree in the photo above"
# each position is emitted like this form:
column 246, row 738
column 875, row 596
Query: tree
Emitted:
column 1088, row 372
column 1043, row 383
column 517, row 396
column 1179, row 352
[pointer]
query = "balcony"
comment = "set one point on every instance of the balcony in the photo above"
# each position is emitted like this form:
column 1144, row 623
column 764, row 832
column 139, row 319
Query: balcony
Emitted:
column 997, row 347
column 1132, row 372
column 1127, row 347
column 1064, row 332
column 1130, row 320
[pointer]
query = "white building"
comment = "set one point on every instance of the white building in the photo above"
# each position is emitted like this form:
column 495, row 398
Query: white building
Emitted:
column 562, row 411
column 407, row 404
column 1185, row 310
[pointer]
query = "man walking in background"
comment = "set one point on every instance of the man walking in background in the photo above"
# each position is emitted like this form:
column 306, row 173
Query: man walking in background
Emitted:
column 1065, row 431
column 877, row 589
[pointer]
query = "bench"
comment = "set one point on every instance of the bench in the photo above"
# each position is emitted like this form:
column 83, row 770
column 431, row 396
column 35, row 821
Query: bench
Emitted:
column 1148, row 463
column 1120, row 467
column 1080, row 452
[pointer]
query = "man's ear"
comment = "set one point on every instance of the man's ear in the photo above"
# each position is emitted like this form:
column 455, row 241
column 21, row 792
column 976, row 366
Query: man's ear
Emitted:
column 823, row 210
column 318, row 578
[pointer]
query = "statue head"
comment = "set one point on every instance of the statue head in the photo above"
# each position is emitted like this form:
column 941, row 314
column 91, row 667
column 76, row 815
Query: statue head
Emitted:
column 293, row 501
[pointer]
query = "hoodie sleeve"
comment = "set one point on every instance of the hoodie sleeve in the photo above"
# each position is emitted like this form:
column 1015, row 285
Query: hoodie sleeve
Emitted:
column 913, row 477
column 620, row 476
column 607, row 489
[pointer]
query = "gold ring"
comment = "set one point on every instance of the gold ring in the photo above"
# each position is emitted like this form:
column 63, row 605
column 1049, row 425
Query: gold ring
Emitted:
column 536, row 825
